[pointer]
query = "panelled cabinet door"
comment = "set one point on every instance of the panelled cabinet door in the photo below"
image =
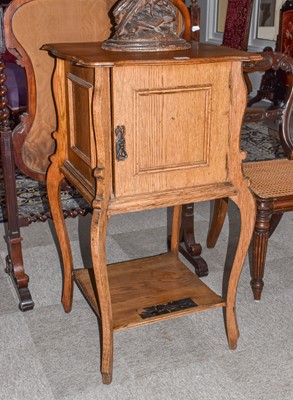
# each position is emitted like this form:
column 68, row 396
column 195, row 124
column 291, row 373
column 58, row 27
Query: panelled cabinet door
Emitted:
column 169, row 116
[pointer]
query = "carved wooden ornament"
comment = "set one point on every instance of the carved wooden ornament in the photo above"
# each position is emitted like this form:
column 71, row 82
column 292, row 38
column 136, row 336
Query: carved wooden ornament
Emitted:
column 146, row 25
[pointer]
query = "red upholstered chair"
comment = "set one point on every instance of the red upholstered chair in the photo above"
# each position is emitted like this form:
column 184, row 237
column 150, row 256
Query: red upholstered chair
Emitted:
column 237, row 24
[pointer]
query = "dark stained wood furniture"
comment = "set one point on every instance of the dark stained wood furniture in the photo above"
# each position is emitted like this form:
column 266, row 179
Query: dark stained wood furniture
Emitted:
column 28, row 24
column 271, row 181
column 285, row 38
column 274, row 65
column 113, row 104
column 273, row 83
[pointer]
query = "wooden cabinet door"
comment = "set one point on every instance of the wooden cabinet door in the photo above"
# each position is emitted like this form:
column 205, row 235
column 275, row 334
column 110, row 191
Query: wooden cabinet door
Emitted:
column 176, row 120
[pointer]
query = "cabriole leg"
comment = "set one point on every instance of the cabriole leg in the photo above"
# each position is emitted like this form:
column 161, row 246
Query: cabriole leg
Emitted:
column 98, row 249
column 54, row 180
column 246, row 204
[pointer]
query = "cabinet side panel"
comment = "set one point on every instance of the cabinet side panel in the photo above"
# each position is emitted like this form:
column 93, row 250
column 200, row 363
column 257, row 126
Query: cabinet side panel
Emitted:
column 80, row 83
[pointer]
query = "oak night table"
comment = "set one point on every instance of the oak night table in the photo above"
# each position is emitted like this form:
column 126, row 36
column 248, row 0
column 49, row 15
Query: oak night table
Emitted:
column 138, row 131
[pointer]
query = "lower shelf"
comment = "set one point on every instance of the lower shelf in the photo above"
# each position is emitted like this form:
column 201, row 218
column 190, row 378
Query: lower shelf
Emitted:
column 151, row 289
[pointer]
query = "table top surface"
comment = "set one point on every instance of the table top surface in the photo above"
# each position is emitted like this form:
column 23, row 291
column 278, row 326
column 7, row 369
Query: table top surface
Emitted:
column 91, row 54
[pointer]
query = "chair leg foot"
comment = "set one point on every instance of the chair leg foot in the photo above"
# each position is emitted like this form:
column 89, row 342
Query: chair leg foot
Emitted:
column 257, row 286
column 20, row 281
column 26, row 303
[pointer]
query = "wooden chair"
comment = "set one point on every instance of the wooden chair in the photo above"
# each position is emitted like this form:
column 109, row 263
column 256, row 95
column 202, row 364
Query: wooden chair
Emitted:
column 236, row 32
column 271, row 181
column 28, row 24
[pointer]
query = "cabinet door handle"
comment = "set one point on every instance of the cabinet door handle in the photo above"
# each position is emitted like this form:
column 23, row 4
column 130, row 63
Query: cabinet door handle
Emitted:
column 121, row 153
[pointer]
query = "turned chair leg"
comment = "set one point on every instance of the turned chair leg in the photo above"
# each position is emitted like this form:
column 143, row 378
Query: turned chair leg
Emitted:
column 259, row 245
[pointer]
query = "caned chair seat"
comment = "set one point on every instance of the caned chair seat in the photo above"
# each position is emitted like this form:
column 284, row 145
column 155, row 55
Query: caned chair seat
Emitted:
column 273, row 178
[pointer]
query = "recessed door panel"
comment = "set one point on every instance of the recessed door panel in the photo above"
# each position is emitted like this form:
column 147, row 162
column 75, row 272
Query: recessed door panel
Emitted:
column 159, row 130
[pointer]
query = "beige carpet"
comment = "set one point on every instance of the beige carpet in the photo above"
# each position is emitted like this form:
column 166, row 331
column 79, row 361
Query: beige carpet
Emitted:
column 46, row 354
